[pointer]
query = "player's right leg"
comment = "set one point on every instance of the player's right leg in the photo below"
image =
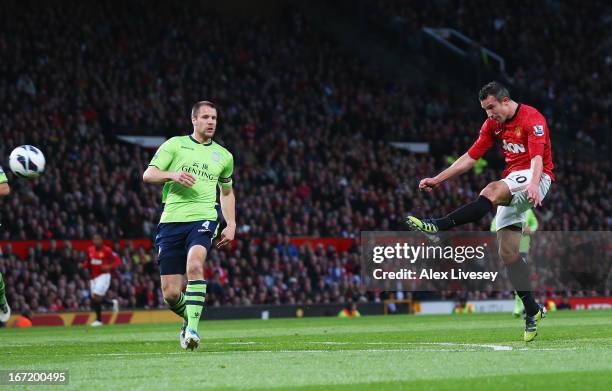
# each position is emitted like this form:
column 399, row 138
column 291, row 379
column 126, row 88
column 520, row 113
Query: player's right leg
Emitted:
column 170, row 241
column 99, row 286
column 5, row 310
column 172, row 290
column 509, row 221
column 495, row 193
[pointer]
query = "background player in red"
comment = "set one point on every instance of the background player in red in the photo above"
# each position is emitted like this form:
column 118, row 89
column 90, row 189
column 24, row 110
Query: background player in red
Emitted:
column 525, row 140
column 101, row 260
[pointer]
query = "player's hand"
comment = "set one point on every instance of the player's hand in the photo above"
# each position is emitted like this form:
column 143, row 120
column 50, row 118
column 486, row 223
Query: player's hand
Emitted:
column 533, row 194
column 227, row 235
column 428, row 184
column 184, row 178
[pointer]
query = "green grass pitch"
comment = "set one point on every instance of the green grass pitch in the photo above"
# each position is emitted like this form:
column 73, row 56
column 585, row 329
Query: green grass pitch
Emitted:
column 458, row 352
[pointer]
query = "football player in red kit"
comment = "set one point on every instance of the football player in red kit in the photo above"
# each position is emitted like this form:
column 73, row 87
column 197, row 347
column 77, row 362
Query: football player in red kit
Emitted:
column 101, row 260
column 525, row 139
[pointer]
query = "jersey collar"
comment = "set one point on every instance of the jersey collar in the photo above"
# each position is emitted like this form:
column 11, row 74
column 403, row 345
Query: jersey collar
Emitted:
column 197, row 142
column 518, row 107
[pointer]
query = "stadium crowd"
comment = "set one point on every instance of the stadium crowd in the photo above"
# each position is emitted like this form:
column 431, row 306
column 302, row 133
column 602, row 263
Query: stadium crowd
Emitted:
column 308, row 126
column 557, row 52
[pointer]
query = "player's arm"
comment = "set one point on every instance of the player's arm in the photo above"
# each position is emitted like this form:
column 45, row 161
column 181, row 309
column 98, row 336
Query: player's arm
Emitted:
column 228, row 207
column 116, row 261
column 537, row 137
column 533, row 192
column 85, row 263
column 157, row 177
column 157, row 173
column 466, row 162
column 5, row 189
column 228, row 203
column 461, row 165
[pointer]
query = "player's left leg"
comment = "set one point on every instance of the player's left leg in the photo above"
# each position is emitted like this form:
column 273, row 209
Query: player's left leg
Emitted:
column 199, row 242
column 96, row 306
column 99, row 286
column 509, row 220
column 495, row 193
column 518, row 271
column 519, row 307
column 5, row 310
column 195, row 293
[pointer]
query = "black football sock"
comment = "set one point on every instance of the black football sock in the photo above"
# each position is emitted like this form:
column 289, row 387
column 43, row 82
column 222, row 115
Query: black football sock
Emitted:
column 469, row 213
column 107, row 302
column 519, row 276
column 97, row 307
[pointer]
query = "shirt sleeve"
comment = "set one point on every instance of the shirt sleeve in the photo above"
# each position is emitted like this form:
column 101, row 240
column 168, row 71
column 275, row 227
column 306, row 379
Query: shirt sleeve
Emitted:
column 164, row 155
column 115, row 260
column 225, row 178
column 3, row 178
column 483, row 143
column 538, row 134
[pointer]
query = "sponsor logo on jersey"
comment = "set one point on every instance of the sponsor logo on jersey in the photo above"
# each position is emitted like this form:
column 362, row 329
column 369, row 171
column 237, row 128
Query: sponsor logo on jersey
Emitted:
column 96, row 261
column 513, row 148
column 202, row 173
column 538, row 130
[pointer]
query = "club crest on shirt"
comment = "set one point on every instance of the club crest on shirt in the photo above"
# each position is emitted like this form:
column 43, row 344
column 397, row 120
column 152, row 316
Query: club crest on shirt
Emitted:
column 517, row 131
column 538, row 130
column 215, row 156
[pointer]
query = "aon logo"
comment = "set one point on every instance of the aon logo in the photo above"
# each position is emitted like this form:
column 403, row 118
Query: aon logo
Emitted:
column 514, row 148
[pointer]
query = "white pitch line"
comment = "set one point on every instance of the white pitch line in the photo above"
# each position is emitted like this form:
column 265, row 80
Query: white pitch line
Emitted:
column 459, row 347
column 489, row 346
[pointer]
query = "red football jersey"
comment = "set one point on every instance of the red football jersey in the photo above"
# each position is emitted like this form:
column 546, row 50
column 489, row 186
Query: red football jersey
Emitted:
column 524, row 136
column 98, row 258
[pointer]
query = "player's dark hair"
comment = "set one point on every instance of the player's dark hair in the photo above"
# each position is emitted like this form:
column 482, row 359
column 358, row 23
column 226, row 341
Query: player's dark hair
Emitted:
column 495, row 89
column 197, row 105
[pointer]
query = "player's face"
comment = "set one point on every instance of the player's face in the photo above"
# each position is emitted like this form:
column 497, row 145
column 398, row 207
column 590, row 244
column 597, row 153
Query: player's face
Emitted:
column 496, row 110
column 205, row 123
column 97, row 240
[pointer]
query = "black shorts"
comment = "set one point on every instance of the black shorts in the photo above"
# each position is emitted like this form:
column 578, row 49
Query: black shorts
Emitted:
column 173, row 241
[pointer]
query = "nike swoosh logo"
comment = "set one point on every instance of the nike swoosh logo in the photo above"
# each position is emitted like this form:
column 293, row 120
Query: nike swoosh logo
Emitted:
column 496, row 133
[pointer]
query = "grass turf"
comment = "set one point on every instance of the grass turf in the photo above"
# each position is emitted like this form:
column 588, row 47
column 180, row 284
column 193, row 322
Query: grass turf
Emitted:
column 476, row 351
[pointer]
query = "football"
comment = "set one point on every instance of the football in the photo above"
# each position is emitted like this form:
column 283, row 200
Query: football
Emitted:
column 27, row 161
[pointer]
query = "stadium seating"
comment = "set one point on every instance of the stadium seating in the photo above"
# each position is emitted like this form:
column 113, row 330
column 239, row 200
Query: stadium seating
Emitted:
column 308, row 125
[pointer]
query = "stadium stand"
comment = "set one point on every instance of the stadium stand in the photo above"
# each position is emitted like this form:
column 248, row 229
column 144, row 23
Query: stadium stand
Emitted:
column 308, row 124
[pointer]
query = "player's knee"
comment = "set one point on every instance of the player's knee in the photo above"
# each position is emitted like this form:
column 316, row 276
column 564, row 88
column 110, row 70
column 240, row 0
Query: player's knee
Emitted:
column 508, row 255
column 171, row 291
column 171, row 295
column 494, row 191
column 195, row 269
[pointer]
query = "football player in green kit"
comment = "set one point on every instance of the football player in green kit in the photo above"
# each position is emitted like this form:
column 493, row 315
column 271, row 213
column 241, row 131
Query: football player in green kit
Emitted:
column 5, row 310
column 191, row 168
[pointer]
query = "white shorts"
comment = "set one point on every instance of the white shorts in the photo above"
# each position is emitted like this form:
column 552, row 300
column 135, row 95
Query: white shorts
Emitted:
column 99, row 285
column 515, row 212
